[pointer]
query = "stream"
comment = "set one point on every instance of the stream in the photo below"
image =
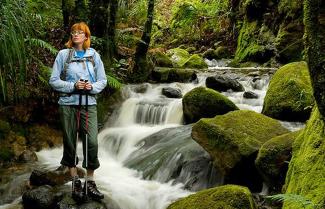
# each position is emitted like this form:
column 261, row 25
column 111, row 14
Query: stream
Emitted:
column 147, row 156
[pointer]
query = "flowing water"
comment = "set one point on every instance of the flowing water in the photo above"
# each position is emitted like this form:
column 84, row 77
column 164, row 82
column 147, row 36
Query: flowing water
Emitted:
column 151, row 118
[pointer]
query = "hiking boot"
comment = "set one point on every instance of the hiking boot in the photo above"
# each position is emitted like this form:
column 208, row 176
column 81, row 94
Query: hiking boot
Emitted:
column 77, row 193
column 92, row 191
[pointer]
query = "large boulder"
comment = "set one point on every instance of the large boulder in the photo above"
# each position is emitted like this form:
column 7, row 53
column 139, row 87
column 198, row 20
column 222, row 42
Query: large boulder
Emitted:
column 290, row 95
column 162, row 60
column 178, row 56
column 273, row 159
column 168, row 75
column 223, row 197
column 195, row 61
column 233, row 140
column 172, row 92
column 305, row 176
column 223, row 83
column 203, row 102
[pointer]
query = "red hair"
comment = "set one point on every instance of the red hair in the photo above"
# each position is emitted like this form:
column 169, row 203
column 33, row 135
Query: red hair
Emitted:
column 84, row 27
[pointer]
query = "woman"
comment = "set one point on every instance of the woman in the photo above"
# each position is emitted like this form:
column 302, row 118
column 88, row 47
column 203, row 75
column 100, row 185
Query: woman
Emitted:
column 78, row 73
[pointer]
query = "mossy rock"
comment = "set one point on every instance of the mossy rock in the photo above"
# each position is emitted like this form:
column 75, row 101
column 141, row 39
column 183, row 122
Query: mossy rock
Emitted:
column 203, row 102
column 162, row 74
column 178, row 56
column 255, row 43
column 190, row 49
column 195, row 61
column 273, row 159
column 305, row 176
column 290, row 95
column 222, row 197
column 222, row 52
column 234, row 136
column 289, row 42
column 42, row 136
column 210, row 54
column 162, row 60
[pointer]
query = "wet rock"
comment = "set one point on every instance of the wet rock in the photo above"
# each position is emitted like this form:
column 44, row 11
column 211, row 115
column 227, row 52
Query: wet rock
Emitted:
column 250, row 95
column 172, row 92
column 169, row 75
column 27, row 156
column 142, row 88
column 273, row 159
column 39, row 198
column 203, row 102
column 176, row 157
column 290, row 95
column 59, row 176
column 225, row 197
column 223, row 83
column 233, row 140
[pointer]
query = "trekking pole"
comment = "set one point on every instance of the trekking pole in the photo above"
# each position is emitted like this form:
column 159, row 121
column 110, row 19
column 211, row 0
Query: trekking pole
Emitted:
column 86, row 179
column 78, row 129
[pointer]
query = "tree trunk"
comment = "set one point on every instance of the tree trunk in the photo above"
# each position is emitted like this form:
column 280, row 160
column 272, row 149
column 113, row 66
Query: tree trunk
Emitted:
column 314, row 54
column 98, row 17
column 110, row 50
column 74, row 11
column 141, row 69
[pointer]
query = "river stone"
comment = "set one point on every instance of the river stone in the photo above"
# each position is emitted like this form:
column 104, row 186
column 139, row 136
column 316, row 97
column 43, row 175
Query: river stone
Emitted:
column 172, row 154
column 290, row 94
column 223, row 83
column 39, row 198
column 172, row 92
column 203, row 102
column 222, row 197
column 273, row 159
column 250, row 95
column 59, row 176
column 233, row 141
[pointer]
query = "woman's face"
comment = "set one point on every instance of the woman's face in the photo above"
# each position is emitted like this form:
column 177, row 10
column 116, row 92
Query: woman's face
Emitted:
column 78, row 37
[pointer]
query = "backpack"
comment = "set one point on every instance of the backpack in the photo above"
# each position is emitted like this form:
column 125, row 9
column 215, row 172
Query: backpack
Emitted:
column 69, row 60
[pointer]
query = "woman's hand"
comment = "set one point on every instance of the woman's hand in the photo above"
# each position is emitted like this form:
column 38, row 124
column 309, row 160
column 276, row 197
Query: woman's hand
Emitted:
column 88, row 86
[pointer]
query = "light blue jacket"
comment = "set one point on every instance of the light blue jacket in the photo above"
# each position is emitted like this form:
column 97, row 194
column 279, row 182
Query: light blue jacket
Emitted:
column 76, row 71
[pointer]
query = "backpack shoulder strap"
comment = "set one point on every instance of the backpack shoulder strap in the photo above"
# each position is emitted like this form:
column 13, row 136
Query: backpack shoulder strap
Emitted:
column 66, row 64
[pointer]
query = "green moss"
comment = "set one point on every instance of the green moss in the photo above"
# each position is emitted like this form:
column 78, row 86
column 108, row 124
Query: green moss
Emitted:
column 272, row 159
column 162, row 60
column 306, row 170
column 223, row 197
column 203, row 102
column 289, row 96
column 195, row 61
column 236, row 134
column 254, row 43
column 289, row 41
column 179, row 56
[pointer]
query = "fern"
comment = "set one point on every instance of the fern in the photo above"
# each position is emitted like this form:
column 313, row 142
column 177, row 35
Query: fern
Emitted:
column 42, row 44
column 113, row 82
column 293, row 198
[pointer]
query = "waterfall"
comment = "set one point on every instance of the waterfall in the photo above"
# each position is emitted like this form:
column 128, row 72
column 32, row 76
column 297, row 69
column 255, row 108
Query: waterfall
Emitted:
column 143, row 153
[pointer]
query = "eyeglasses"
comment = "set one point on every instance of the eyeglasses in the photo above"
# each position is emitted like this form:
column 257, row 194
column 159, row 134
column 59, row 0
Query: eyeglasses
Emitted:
column 77, row 32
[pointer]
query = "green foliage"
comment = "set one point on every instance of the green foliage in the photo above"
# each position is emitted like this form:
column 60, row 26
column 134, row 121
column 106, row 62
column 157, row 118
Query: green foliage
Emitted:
column 113, row 82
column 19, row 30
column 6, row 154
column 294, row 198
